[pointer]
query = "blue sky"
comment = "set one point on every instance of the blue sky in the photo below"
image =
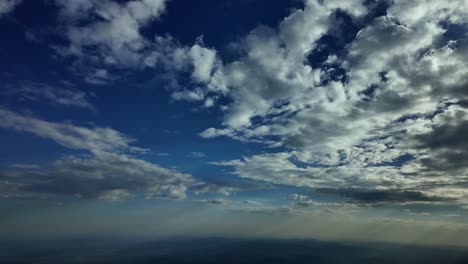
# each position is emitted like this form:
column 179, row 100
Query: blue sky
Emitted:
column 234, row 114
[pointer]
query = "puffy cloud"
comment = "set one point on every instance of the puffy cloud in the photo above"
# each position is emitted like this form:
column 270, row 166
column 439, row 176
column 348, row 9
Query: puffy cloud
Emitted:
column 116, row 32
column 203, row 61
column 6, row 6
column 108, row 34
column 414, row 12
column 380, row 120
column 273, row 72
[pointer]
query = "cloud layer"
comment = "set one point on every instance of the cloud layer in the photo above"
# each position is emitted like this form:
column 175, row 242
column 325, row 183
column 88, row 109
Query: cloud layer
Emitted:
column 108, row 173
column 384, row 111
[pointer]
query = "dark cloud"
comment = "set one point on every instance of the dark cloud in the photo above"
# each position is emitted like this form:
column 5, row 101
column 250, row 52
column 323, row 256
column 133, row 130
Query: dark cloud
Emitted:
column 214, row 201
column 104, row 176
column 369, row 196
column 447, row 141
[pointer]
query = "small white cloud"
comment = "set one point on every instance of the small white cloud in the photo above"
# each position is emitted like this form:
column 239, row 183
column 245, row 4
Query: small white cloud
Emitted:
column 7, row 6
column 67, row 135
column 203, row 60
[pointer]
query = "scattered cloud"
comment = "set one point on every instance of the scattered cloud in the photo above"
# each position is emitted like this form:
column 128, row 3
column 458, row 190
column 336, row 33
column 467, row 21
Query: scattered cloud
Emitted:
column 305, row 201
column 114, row 31
column 68, row 135
column 369, row 106
column 106, row 35
column 379, row 119
column 107, row 174
column 104, row 175
column 203, row 187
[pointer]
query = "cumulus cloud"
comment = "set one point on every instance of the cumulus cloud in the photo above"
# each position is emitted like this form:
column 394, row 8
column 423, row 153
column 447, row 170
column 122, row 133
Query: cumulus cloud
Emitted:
column 203, row 60
column 116, row 31
column 103, row 34
column 381, row 118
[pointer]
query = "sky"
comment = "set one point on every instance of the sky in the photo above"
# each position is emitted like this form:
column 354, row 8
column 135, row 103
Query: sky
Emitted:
column 339, row 120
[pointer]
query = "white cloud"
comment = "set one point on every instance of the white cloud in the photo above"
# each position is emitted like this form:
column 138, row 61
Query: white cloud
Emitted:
column 99, row 77
column 68, row 135
column 203, row 60
column 402, row 83
column 116, row 34
column 364, row 118
column 202, row 188
column 106, row 174
column 305, row 201
column 428, row 11
column 108, row 34
column 6, row 6
column 189, row 95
